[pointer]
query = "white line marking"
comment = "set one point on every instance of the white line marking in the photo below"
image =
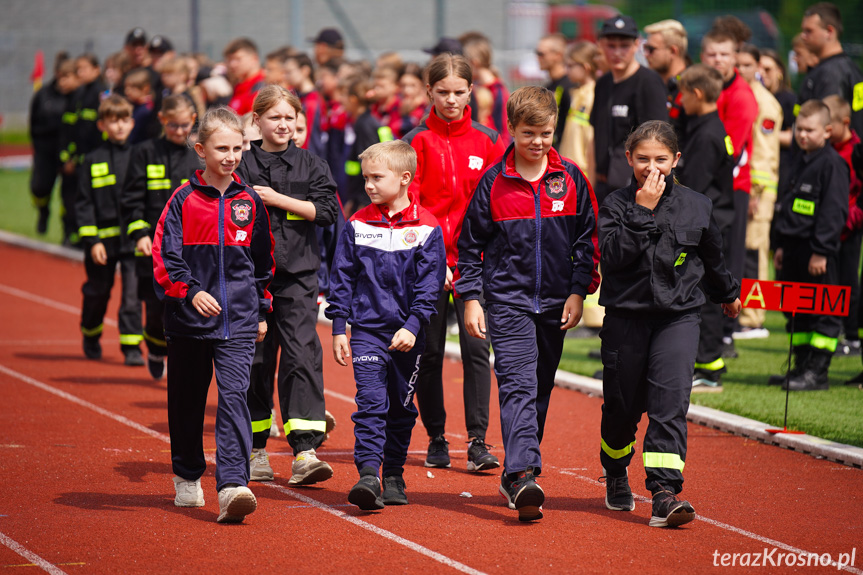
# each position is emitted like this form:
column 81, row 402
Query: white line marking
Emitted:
column 211, row 458
column 48, row 302
column 30, row 556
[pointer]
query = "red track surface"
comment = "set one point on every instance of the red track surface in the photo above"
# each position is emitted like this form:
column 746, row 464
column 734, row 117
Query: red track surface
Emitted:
column 86, row 478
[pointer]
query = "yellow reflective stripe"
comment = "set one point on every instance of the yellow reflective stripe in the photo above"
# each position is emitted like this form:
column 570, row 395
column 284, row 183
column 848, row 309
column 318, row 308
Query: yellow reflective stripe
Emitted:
column 93, row 331
column 158, row 184
column 155, row 340
column 305, row 425
column 262, row 425
column 155, row 171
column 100, row 169
column 819, row 341
column 41, row 202
column 803, row 207
column 616, row 453
column 729, row 146
column 111, row 232
column 664, row 460
column 352, row 168
column 88, row 114
column 70, row 118
column 137, row 225
column 801, row 337
column 65, row 156
column 857, row 99
column 680, row 259
column 558, row 94
column 385, row 134
column 183, row 181
column 88, row 231
column 293, row 216
column 715, row 365
column 104, row 181
column 796, row 109
column 131, row 338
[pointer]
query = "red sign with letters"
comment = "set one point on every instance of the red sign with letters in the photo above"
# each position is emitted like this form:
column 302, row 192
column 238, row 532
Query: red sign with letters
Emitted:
column 795, row 297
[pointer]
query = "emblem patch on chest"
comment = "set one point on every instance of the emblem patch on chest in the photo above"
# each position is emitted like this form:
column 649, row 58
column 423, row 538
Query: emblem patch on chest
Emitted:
column 241, row 212
column 555, row 188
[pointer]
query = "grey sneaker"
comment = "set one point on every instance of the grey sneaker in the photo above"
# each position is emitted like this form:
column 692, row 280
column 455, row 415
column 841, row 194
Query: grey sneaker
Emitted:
column 235, row 503
column 188, row 493
column 308, row 469
column 618, row 495
column 259, row 466
column 394, row 491
column 478, row 457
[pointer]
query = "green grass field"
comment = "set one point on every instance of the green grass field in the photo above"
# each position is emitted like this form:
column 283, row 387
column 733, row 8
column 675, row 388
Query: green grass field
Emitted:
column 834, row 414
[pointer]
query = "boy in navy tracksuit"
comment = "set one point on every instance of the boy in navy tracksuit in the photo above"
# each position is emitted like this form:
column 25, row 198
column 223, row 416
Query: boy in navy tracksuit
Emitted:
column 807, row 227
column 528, row 243
column 97, row 208
column 389, row 270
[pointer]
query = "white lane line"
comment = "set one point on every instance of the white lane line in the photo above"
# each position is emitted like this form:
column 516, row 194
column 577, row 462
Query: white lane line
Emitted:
column 389, row 535
column 46, row 566
column 721, row 525
column 48, row 302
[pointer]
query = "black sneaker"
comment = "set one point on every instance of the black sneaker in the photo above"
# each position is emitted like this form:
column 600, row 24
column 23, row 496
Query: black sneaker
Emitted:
column 156, row 365
column 92, row 348
column 133, row 357
column 527, row 496
column 505, row 490
column 478, row 457
column 618, row 495
column 669, row 511
column 42, row 222
column 366, row 494
column 394, row 491
column 438, row 453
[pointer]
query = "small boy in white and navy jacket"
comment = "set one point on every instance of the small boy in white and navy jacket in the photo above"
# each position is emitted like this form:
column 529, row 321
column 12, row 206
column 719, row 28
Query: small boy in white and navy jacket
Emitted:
column 388, row 272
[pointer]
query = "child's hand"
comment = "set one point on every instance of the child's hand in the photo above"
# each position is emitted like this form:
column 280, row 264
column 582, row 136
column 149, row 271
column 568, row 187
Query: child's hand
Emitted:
column 777, row 259
column 817, row 265
column 447, row 284
column 649, row 194
column 341, row 349
column 732, row 309
column 572, row 311
column 262, row 331
column 474, row 318
column 206, row 305
column 99, row 254
column 268, row 194
column 145, row 246
column 403, row 340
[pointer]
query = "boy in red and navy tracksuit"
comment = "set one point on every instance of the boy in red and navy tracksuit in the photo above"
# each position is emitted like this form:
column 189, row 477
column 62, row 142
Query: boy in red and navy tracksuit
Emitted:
column 529, row 245
column 389, row 269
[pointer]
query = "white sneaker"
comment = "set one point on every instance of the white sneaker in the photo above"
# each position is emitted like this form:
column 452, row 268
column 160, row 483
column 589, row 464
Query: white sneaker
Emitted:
column 189, row 493
column 259, row 466
column 235, row 503
column 274, row 427
column 751, row 333
column 308, row 469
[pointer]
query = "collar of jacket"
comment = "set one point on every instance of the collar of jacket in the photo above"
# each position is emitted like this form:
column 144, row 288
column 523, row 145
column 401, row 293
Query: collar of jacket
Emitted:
column 377, row 214
column 555, row 163
column 811, row 156
column 695, row 122
column 264, row 158
column 197, row 182
column 455, row 128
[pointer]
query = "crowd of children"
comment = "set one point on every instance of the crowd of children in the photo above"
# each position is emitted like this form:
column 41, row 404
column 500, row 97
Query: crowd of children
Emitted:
column 392, row 190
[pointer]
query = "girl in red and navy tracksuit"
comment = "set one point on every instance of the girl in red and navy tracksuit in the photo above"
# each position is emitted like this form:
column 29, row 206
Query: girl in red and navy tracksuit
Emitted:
column 452, row 154
column 212, row 262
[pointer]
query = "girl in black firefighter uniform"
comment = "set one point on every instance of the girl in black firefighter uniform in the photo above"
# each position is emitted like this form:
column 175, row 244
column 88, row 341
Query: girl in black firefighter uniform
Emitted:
column 156, row 169
column 657, row 240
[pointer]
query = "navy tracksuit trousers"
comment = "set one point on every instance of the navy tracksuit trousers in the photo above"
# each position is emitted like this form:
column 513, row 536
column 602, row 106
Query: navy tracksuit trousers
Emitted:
column 647, row 366
column 386, row 414
column 527, row 348
column 190, row 369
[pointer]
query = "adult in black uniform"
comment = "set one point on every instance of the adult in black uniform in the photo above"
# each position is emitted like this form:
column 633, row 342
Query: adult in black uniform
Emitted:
column 550, row 52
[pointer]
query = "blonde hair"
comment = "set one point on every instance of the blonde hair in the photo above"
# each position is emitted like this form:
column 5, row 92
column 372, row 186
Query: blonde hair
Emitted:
column 672, row 32
column 271, row 95
column 583, row 53
column 216, row 119
column 398, row 156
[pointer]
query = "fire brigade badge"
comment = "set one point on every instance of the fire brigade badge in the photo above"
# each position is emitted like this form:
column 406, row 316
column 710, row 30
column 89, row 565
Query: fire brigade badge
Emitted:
column 410, row 237
column 767, row 126
column 241, row 212
column 555, row 187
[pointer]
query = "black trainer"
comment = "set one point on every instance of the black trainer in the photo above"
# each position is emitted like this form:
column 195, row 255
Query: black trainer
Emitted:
column 366, row 494
column 133, row 357
column 478, row 457
column 156, row 365
column 669, row 511
column 92, row 348
column 618, row 495
column 438, row 453
column 527, row 496
column 42, row 222
column 505, row 488
column 394, row 490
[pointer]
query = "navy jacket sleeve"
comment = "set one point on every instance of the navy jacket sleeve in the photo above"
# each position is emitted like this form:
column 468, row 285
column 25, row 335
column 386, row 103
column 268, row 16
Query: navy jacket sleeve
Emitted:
column 624, row 232
column 343, row 277
column 720, row 286
column 262, row 254
column 322, row 193
column 831, row 215
column 476, row 231
column 431, row 274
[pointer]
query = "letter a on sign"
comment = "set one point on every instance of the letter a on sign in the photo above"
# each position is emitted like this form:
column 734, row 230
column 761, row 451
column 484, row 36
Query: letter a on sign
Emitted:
column 755, row 295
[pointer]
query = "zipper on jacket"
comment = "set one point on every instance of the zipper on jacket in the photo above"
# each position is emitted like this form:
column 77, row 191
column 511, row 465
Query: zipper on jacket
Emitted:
column 222, row 285
column 538, row 212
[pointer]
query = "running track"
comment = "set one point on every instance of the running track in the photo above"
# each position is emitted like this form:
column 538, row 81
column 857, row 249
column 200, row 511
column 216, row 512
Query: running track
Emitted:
column 86, row 476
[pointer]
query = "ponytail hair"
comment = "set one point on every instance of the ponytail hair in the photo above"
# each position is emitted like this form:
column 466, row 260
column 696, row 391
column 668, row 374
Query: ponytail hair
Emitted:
column 216, row 119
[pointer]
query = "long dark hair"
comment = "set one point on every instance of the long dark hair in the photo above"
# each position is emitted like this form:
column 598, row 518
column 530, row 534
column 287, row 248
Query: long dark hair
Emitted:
column 657, row 130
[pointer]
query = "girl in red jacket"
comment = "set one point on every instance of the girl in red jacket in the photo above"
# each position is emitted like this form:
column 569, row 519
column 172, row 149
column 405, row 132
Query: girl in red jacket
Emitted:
column 452, row 154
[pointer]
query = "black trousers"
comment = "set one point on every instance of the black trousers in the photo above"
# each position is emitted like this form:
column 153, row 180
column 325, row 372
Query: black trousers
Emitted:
column 647, row 367
column 291, row 327
column 712, row 320
column 849, row 262
column 154, row 318
column 477, row 374
column 735, row 259
column 97, row 293
column 795, row 268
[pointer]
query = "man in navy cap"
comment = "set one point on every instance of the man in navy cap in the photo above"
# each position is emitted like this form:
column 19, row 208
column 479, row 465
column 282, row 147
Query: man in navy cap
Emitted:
column 625, row 98
column 329, row 45
column 159, row 48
